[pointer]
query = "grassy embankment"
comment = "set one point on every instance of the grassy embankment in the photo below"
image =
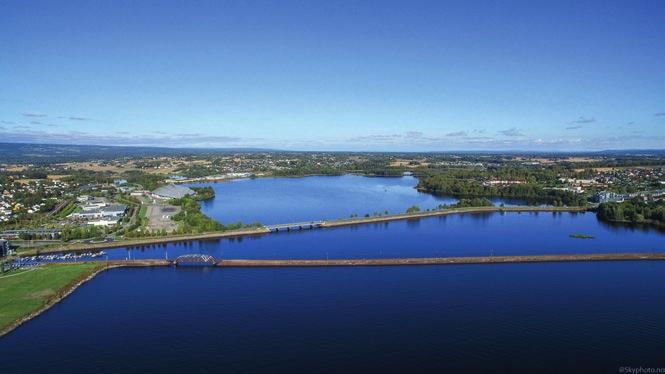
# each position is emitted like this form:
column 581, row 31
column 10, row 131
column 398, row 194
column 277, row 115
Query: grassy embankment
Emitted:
column 143, row 221
column 67, row 210
column 24, row 293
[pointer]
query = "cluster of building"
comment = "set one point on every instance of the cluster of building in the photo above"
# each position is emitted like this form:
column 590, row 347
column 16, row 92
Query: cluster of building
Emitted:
column 608, row 197
column 13, row 201
column 6, row 211
column 577, row 185
column 98, row 211
column 631, row 176
column 39, row 233
column 644, row 179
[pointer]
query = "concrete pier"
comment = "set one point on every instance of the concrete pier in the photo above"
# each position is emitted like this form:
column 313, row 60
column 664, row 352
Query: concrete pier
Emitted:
column 446, row 260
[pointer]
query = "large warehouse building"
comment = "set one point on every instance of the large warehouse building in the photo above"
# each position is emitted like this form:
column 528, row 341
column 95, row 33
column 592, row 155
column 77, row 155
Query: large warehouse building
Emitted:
column 172, row 191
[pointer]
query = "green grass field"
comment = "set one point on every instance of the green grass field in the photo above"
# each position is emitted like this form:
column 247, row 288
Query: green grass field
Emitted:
column 25, row 291
column 143, row 221
column 66, row 210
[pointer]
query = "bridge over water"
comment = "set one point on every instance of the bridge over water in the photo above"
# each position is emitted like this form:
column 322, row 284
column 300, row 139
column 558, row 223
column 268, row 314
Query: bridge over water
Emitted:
column 206, row 260
column 195, row 259
column 295, row 226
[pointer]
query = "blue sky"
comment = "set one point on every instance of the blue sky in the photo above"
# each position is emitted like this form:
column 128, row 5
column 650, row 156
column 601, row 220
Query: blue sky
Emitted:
column 335, row 75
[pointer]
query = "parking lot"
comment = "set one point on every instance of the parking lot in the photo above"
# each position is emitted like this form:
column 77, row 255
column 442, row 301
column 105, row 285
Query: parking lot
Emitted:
column 159, row 217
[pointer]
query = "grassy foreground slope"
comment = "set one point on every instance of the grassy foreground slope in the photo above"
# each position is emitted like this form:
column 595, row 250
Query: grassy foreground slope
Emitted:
column 25, row 292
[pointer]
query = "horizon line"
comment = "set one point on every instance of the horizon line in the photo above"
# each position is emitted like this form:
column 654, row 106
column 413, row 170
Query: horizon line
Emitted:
column 277, row 150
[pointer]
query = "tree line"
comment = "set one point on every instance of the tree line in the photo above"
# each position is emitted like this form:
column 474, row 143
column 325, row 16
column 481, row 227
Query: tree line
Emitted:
column 450, row 185
column 634, row 210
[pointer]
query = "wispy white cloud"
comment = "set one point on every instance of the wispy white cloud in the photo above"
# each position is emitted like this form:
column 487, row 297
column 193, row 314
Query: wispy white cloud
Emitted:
column 582, row 120
column 512, row 132
column 411, row 140
column 75, row 118
column 43, row 123
column 33, row 115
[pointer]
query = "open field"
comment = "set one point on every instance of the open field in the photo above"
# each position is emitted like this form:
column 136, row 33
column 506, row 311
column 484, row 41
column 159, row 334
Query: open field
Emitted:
column 169, row 165
column 27, row 181
column 26, row 292
column 95, row 166
column 616, row 168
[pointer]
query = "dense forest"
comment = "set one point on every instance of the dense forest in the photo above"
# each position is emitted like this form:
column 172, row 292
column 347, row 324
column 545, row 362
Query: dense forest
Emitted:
column 147, row 180
column 529, row 174
column 451, row 184
column 473, row 202
column 635, row 210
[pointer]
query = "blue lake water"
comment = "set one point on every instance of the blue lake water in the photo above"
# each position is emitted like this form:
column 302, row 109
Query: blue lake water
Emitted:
column 530, row 318
column 545, row 318
column 281, row 200
column 454, row 235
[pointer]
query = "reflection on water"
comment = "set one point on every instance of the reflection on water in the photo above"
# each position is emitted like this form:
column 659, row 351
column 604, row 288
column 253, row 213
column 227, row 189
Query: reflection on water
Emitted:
column 470, row 234
column 623, row 226
column 282, row 200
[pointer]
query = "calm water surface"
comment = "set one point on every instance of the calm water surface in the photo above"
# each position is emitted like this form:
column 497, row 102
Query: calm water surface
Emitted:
column 281, row 200
column 454, row 235
column 535, row 318
column 552, row 318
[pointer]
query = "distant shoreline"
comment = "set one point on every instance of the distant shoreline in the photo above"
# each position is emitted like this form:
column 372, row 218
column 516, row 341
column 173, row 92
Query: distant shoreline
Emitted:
column 204, row 180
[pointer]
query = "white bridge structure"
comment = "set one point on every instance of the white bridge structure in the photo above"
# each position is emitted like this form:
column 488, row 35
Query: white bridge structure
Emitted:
column 195, row 259
column 296, row 226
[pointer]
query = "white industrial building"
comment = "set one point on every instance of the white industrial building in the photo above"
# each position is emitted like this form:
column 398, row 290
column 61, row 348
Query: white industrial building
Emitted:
column 172, row 191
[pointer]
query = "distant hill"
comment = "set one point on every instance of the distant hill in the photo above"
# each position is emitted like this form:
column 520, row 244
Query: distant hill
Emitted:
column 54, row 153
column 632, row 152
